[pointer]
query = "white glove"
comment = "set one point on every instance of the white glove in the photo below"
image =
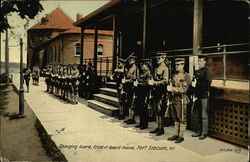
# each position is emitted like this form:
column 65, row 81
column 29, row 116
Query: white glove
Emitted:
column 169, row 88
column 123, row 80
column 151, row 82
column 136, row 83
column 111, row 77
column 194, row 83
column 194, row 98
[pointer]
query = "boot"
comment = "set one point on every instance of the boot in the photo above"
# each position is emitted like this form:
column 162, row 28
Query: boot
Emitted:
column 154, row 131
column 181, row 134
column 179, row 140
column 177, row 129
column 160, row 132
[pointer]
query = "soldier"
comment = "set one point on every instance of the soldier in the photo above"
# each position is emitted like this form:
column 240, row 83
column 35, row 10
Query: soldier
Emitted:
column 65, row 84
column 180, row 83
column 158, row 91
column 142, row 93
column 131, row 75
column 60, row 81
column 26, row 76
column 46, row 73
column 90, row 80
column 117, row 77
column 201, row 83
column 75, row 83
column 82, row 84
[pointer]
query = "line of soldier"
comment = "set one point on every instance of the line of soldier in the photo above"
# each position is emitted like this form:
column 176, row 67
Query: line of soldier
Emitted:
column 69, row 81
column 153, row 83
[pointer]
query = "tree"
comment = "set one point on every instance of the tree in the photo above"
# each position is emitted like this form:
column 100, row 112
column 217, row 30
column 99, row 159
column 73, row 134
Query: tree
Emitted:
column 24, row 8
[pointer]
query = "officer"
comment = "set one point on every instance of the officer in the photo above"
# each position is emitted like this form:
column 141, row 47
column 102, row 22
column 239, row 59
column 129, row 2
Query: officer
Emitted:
column 158, row 91
column 131, row 75
column 82, row 85
column 117, row 77
column 180, row 83
column 90, row 80
column 201, row 84
column 142, row 93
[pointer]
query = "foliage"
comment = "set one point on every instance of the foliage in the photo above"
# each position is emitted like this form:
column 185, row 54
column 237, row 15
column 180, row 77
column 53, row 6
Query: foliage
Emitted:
column 26, row 9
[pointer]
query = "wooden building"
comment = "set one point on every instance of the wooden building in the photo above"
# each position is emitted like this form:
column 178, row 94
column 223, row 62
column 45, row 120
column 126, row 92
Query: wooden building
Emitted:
column 188, row 28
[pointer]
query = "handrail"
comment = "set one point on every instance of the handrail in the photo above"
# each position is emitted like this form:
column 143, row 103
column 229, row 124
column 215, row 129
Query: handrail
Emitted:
column 202, row 48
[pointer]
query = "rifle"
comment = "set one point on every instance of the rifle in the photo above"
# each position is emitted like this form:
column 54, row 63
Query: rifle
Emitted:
column 115, row 73
column 193, row 98
column 169, row 93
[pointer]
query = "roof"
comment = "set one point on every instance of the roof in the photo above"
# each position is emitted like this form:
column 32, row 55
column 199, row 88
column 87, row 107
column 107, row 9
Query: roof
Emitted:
column 102, row 9
column 57, row 19
column 74, row 29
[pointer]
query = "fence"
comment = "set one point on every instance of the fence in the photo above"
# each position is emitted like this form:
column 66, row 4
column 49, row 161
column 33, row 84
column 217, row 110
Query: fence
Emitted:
column 104, row 65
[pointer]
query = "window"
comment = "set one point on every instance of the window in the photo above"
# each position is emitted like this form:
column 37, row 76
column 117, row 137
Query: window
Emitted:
column 100, row 50
column 78, row 49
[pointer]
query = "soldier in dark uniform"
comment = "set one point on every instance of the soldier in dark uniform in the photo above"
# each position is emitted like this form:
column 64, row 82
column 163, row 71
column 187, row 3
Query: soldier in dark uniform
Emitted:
column 158, row 91
column 179, row 100
column 131, row 75
column 117, row 77
column 142, row 93
column 90, row 81
column 201, row 83
column 82, row 84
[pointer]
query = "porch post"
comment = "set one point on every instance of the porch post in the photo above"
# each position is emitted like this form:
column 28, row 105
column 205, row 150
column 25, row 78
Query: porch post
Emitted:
column 197, row 33
column 114, row 42
column 95, row 45
column 197, row 28
column 145, row 28
column 82, row 46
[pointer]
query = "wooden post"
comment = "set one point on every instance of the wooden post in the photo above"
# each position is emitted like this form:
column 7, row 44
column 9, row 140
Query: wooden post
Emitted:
column 95, row 45
column 114, row 42
column 145, row 28
column 197, row 32
column 82, row 46
column 197, row 28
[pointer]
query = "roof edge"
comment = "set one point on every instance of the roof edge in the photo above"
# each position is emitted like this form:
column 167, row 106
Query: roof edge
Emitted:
column 96, row 12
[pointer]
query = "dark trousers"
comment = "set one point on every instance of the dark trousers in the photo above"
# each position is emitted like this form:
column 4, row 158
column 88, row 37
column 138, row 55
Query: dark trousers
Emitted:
column 203, row 116
column 142, row 105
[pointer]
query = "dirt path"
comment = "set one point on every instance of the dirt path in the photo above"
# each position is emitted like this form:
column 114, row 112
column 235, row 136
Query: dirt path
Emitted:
column 19, row 137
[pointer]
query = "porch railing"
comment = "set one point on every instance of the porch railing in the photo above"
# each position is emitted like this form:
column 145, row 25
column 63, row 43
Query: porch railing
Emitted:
column 223, row 51
column 104, row 65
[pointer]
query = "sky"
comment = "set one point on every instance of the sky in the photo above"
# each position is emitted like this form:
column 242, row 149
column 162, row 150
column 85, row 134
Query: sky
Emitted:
column 71, row 8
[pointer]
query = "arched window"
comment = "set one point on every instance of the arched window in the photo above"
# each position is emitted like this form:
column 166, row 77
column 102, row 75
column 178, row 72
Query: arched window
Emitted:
column 100, row 50
column 78, row 49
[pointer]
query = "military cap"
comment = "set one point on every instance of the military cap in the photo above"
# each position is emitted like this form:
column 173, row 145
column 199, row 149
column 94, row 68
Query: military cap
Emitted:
column 133, row 57
column 180, row 60
column 145, row 61
column 202, row 57
column 121, row 60
column 160, row 54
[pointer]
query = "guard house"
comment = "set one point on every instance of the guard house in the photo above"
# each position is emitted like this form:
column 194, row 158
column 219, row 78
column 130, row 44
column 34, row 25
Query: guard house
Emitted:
column 218, row 29
column 54, row 40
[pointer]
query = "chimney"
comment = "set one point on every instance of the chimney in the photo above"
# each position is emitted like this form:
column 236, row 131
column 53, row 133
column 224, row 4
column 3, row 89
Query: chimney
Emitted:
column 78, row 16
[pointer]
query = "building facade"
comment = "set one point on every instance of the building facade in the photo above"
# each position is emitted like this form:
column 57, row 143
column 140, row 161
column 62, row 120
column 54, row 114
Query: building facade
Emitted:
column 54, row 40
